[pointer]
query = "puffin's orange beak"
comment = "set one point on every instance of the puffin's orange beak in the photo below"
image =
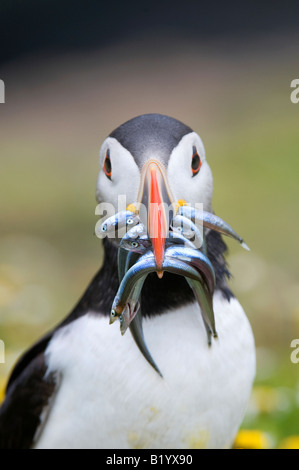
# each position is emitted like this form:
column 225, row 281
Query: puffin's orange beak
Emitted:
column 156, row 199
column 157, row 219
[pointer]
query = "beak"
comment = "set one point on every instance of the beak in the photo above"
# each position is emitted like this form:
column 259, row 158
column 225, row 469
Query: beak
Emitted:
column 156, row 205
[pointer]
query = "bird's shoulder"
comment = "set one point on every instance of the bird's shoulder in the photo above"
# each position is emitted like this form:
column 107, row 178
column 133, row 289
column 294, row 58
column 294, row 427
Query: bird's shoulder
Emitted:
column 28, row 395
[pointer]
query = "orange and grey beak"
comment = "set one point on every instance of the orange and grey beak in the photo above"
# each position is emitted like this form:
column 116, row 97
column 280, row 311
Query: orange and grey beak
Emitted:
column 156, row 201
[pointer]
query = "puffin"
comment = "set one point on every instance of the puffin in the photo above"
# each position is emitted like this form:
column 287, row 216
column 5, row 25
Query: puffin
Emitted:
column 84, row 385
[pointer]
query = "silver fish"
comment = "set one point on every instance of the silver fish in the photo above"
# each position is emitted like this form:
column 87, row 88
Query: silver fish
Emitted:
column 141, row 244
column 116, row 225
column 206, row 305
column 177, row 259
column 211, row 221
column 136, row 239
column 137, row 333
column 126, row 259
column 132, row 306
column 145, row 265
column 189, row 229
column 178, row 239
column 196, row 259
column 136, row 261
column 138, row 270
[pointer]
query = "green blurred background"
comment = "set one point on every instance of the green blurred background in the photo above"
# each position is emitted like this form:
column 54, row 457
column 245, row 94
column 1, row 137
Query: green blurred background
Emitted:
column 76, row 73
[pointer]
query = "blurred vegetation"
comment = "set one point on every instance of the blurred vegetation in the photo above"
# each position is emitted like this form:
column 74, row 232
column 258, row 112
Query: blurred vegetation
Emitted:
column 59, row 109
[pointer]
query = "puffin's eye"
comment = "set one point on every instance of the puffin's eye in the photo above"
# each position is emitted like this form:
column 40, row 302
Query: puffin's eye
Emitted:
column 107, row 165
column 196, row 162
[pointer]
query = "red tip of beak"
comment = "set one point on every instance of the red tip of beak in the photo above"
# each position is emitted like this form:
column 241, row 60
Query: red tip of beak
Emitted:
column 157, row 221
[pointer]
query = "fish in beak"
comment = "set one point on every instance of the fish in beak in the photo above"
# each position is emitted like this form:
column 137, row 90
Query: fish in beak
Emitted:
column 149, row 246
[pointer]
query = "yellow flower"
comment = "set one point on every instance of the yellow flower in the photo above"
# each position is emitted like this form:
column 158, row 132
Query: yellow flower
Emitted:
column 290, row 442
column 251, row 439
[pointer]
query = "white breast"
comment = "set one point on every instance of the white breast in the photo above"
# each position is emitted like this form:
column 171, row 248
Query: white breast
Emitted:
column 110, row 397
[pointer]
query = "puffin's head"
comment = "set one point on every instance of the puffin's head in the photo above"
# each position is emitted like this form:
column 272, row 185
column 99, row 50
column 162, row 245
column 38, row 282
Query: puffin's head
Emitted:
column 154, row 159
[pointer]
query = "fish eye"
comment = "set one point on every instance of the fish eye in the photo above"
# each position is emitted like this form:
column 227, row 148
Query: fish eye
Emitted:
column 107, row 165
column 196, row 162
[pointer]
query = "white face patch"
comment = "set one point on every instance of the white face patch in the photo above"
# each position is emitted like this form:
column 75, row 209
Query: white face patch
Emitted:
column 194, row 189
column 125, row 175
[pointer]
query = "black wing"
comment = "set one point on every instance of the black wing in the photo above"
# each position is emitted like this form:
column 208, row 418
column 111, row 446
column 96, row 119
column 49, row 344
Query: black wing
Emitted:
column 27, row 396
